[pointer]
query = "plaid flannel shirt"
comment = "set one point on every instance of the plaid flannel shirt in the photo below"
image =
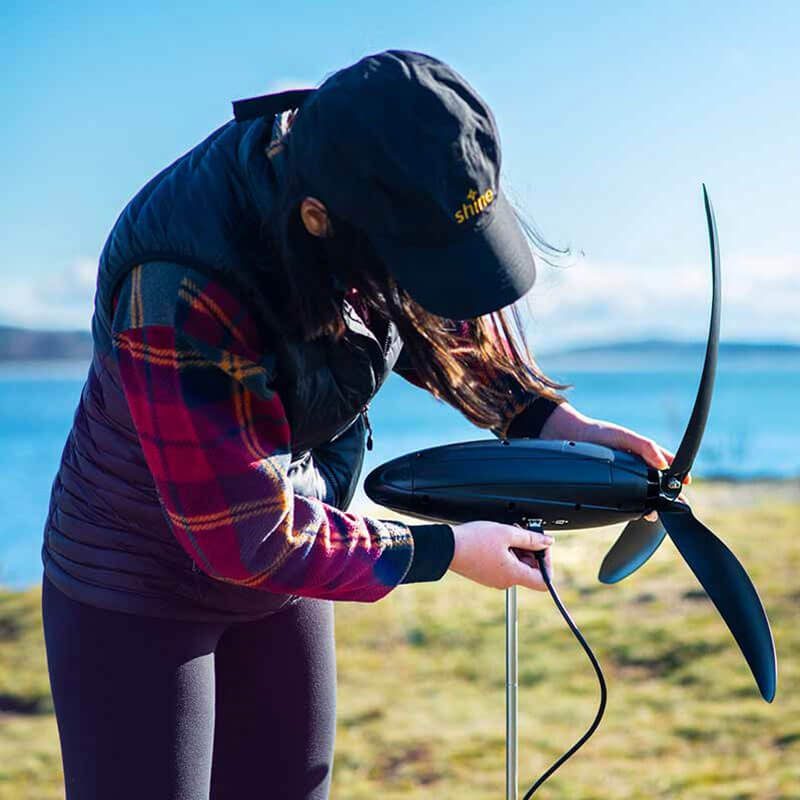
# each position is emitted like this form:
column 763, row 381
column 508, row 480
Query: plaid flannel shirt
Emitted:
column 216, row 439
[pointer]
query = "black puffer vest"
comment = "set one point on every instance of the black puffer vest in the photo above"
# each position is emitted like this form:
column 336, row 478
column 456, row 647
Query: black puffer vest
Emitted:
column 107, row 542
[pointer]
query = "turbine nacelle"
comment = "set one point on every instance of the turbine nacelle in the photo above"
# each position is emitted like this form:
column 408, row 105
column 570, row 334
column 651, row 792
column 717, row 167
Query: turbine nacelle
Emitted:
column 516, row 479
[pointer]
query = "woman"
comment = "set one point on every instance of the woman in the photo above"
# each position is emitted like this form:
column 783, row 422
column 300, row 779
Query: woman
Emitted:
column 251, row 300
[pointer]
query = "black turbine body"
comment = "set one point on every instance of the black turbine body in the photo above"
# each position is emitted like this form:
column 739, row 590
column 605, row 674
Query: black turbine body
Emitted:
column 563, row 485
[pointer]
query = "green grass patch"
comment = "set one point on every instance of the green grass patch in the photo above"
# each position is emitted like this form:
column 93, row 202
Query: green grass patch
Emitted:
column 421, row 681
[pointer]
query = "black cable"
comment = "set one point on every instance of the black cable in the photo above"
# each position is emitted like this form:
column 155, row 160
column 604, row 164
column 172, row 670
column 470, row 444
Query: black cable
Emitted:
column 603, row 693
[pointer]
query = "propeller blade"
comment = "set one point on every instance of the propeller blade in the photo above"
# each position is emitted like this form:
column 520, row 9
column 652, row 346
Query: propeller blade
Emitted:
column 730, row 589
column 635, row 545
column 690, row 443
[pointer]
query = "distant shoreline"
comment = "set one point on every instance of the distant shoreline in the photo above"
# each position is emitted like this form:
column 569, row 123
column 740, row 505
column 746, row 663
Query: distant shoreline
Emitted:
column 26, row 345
column 648, row 355
column 676, row 347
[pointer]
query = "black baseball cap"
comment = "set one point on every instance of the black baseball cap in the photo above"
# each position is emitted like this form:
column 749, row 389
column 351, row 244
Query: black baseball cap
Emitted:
column 403, row 148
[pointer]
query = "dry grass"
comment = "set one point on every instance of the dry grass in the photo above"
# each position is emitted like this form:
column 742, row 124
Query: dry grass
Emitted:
column 421, row 683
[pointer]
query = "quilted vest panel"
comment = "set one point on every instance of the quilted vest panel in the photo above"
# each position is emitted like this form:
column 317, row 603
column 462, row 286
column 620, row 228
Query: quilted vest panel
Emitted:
column 106, row 540
column 206, row 210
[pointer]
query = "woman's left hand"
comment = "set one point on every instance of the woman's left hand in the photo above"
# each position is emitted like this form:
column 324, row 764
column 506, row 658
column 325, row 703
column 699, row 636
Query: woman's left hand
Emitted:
column 568, row 423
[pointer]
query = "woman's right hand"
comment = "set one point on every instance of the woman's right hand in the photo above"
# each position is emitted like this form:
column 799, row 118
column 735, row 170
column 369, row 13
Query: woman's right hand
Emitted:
column 483, row 554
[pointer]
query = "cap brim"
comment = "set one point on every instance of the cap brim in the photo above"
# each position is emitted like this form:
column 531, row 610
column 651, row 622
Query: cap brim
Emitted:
column 490, row 267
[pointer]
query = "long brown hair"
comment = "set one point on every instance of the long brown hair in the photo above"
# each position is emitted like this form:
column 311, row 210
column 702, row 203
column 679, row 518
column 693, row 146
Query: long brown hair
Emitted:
column 482, row 366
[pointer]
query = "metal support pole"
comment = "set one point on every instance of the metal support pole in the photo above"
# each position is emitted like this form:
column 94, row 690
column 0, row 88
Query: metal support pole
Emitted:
column 512, row 780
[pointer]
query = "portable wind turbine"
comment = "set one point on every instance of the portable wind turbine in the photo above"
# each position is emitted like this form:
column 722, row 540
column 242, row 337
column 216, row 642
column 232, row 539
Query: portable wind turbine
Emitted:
column 565, row 485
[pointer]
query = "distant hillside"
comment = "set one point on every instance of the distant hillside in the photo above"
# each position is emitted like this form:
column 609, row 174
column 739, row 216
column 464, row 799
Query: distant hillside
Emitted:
column 659, row 354
column 20, row 344
column 659, row 347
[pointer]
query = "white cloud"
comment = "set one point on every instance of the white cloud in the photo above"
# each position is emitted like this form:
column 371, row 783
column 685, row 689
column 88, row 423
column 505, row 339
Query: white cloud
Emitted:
column 588, row 302
column 284, row 84
column 61, row 299
column 591, row 302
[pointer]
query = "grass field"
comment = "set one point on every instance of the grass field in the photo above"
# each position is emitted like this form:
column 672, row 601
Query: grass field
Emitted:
column 421, row 679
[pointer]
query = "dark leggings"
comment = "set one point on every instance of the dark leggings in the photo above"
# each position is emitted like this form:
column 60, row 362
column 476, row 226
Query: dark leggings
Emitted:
column 160, row 708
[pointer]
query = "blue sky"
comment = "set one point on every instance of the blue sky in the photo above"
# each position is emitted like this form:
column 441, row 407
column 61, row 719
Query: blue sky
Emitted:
column 610, row 120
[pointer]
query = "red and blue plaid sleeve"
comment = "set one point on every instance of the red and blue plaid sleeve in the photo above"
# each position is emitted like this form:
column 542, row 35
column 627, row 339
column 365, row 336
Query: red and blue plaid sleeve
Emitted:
column 216, row 438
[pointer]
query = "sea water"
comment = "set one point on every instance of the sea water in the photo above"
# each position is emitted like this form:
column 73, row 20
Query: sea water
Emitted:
column 752, row 430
